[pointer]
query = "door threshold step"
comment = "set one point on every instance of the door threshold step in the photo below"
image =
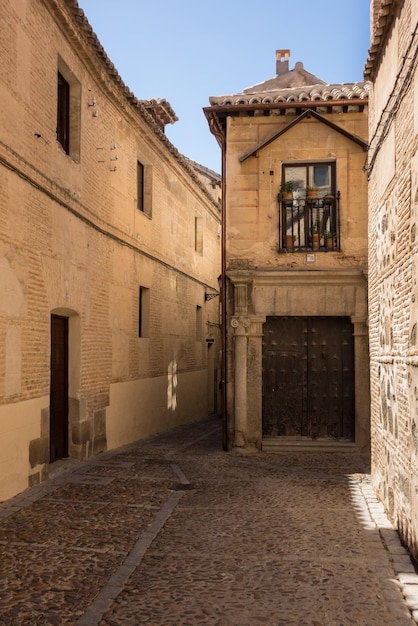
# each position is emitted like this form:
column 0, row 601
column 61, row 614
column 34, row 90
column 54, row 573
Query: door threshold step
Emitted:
column 309, row 445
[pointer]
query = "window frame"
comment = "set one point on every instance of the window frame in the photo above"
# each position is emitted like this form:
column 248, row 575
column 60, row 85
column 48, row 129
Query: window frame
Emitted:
column 68, row 130
column 143, row 312
column 309, row 179
column 144, row 188
column 140, row 192
column 309, row 223
column 63, row 113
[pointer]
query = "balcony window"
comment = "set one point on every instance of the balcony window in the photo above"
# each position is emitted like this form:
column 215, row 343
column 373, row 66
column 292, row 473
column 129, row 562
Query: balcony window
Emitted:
column 309, row 208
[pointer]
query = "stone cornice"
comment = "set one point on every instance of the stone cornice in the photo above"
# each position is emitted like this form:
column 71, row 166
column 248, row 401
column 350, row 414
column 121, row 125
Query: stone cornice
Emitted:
column 298, row 277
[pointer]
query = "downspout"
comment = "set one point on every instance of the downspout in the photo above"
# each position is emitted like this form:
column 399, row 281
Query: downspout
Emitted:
column 223, row 301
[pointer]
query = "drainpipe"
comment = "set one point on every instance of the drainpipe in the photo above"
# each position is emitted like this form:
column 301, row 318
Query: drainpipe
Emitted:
column 223, row 301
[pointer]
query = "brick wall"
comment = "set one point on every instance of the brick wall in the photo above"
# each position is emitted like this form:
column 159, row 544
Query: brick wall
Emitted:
column 73, row 243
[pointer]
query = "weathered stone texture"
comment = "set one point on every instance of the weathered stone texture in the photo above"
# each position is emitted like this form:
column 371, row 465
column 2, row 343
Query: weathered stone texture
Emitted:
column 393, row 189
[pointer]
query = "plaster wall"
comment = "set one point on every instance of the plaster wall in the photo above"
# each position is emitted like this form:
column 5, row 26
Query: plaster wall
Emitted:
column 19, row 424
column 154, row 405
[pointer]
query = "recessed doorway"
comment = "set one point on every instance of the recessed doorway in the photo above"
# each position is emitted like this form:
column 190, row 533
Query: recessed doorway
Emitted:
column 308, row 378
column 58, row 429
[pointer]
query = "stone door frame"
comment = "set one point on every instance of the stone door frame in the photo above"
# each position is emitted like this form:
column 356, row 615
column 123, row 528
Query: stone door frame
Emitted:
column 256, row 295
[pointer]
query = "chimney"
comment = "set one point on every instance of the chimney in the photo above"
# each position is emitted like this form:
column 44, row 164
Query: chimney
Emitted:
column 282, row 62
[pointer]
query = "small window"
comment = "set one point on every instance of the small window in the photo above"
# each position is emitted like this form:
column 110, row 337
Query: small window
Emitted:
column 144, row 188
column 63, row 113
column 68, row 111
column 309, row 208
column 143, row 312
column 140, row 186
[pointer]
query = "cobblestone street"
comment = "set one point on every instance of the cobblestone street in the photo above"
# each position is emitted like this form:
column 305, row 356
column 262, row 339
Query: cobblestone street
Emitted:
column 173, row 531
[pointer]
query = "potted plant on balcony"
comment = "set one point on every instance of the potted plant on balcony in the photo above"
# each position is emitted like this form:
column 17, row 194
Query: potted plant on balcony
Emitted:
column 330, row 240
column 311, row 192
column 286, row 189
column 315, row 236
column 290, row 241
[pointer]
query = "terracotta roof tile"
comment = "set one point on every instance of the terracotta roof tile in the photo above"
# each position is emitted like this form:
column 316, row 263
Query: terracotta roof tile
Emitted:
column 312, row 93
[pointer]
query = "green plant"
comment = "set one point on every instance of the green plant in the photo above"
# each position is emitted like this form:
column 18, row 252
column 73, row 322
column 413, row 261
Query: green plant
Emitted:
column 312, row 189
column 287, row 186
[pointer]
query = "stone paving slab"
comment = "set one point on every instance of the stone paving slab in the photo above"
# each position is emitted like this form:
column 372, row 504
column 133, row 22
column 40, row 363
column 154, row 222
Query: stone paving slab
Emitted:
column 173, row 531
column 227, row 590
column 43, row 585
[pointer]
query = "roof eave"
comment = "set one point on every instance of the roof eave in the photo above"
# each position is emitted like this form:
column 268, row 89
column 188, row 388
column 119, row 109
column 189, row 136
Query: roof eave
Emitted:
column 214, row 114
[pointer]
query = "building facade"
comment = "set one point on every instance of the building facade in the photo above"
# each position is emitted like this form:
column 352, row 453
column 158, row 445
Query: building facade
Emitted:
column 393, row 259
column 294, row 261
column 109, row 254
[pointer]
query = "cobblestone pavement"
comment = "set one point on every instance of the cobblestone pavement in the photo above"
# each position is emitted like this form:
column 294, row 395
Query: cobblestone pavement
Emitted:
column 173, row 531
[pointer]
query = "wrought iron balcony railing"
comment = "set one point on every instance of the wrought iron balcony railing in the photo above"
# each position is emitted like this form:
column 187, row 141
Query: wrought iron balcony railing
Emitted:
column 309, row 223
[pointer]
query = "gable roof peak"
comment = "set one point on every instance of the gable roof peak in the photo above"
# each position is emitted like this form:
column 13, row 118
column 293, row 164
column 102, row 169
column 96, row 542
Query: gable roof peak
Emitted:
column 285, row 78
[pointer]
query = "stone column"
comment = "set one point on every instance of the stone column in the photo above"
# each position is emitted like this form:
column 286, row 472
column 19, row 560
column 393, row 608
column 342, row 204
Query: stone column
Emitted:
column 240, row 381
column 361, row 382
column 255, row 382
column 247, row 380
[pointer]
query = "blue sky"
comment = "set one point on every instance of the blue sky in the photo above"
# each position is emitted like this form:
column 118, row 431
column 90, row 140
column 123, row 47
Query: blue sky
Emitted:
column 188, row 50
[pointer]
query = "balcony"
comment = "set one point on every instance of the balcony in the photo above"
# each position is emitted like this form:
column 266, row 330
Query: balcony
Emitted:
column 309, row 224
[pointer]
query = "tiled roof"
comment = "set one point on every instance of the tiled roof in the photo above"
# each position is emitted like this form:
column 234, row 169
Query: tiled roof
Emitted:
column 288, row 93
column 313, row 93
column 382, row 20
column 205, row 171
column 161, row 111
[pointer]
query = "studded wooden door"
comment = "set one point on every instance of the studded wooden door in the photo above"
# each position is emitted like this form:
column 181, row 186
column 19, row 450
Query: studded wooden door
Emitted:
column 308, row 378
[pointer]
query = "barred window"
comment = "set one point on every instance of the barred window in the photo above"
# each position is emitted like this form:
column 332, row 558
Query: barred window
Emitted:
column 309, row 208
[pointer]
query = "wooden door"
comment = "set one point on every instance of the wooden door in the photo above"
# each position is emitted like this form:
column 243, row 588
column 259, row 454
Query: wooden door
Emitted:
column 58, row 435
column 308, row 377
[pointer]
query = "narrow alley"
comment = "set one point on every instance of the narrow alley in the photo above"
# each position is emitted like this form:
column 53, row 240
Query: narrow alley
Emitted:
column 173, row 531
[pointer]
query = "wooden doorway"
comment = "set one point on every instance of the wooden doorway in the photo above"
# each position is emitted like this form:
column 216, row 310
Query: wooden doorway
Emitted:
column 308, row 378
column 58, row 429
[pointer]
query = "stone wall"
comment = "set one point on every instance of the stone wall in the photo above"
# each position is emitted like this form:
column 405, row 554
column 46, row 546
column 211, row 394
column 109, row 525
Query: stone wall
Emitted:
column 393, row 207
column 254, row 184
